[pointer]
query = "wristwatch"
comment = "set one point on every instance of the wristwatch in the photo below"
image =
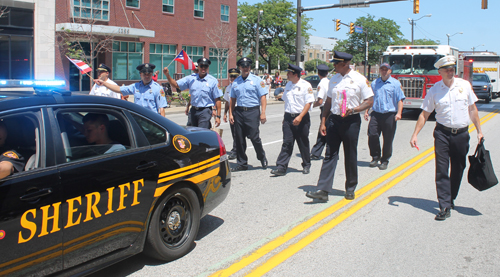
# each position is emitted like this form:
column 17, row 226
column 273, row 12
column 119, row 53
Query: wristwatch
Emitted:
column 218, row 116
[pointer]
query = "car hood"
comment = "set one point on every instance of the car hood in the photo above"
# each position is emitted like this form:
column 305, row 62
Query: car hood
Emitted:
column 480, row 83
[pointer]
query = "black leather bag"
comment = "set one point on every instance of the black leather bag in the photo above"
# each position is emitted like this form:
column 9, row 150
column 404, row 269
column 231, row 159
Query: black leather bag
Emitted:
column 481, row 174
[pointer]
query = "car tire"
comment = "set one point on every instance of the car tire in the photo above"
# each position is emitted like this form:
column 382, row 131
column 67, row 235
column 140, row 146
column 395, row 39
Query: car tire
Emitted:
column 487, row 100
column 174, row 225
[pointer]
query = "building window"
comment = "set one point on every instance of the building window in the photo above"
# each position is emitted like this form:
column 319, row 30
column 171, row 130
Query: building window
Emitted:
column 310, row 55
column 224, row 13
column 218, row 65
column 126, row 57
column 194, row 53
column 322, row 56
column 162, row 56
column 199, row 8
column 92, row 9
column 317, row 56
column 168, row 6
column 133, row 3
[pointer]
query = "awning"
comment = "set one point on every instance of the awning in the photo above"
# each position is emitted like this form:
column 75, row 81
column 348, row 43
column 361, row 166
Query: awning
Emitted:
column 106, row 30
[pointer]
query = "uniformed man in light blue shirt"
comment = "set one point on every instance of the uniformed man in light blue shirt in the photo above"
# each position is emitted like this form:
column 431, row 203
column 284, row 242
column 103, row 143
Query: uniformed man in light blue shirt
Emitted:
column 387, row 110
column 147, row 93
column 248, row 92
column 205, row 94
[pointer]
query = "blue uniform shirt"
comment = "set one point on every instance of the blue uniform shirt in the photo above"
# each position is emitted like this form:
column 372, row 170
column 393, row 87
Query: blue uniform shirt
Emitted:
column 149, row 96
column 249, row 91
column 387, row 95
column 203, row 91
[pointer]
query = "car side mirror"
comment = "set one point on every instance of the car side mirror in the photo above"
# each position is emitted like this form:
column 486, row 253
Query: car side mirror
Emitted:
column 493, row 80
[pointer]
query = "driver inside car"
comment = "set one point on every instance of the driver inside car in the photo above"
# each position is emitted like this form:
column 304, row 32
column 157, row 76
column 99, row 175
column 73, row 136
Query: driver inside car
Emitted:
column 95, row 129
column 10, row 160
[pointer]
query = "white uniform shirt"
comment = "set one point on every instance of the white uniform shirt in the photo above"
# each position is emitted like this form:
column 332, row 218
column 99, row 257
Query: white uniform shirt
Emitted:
column 227, row 95
column 451, row 103
column 356, row 87
column 104, row 91
column 296, row 96
column 322, row 90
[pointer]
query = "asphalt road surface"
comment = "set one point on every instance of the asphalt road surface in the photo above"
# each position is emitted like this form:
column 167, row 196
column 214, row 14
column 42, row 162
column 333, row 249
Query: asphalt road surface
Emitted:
column 267, row 226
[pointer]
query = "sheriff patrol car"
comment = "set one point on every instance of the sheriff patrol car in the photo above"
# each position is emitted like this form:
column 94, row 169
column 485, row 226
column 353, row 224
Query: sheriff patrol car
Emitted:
column 76, row 206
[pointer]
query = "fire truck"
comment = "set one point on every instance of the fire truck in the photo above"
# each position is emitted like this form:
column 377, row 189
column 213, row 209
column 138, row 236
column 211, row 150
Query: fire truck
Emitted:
column 486, row 62
column 413, row 66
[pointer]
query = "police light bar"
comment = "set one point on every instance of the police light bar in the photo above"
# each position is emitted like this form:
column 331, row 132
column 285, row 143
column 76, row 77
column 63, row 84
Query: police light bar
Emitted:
column 33, row 83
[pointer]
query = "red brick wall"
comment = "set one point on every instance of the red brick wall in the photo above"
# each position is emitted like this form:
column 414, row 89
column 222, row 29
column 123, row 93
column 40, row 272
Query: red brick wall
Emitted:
column 180, row 28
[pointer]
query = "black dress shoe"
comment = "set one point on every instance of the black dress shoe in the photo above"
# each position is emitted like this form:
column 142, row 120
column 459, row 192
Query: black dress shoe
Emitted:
column 349, row 195
column 278, row 172
column 263, row 162
column 374, row 162
column 231, row 155
column 443, row 214
column 314, row 157
column 319, row 194
column 383, row 166
column 306, row 170
column 239, row 168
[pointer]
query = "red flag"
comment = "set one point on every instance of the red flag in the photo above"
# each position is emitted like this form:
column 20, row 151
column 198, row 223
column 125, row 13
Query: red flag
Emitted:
column 184, row 59
column 83, row 67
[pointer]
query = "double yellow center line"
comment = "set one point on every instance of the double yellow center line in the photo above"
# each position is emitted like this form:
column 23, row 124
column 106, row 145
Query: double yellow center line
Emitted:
column 280, row 257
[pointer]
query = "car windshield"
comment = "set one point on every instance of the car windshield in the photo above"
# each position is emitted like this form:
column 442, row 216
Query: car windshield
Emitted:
column 480, row 78
column 416, row 64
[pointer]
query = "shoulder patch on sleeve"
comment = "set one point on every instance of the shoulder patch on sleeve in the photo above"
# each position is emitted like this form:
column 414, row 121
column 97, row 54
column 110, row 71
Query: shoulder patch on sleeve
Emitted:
column 162, row 92
column 367, row 82
column 11, row 154
column 310, row 90
column 262, row 84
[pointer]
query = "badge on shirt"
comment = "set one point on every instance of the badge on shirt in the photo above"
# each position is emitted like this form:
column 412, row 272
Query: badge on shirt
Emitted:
column 251, row 82
column 208, row 85
column 262, row 84
column 310, row 90
column 11, row 154
column 460, row 90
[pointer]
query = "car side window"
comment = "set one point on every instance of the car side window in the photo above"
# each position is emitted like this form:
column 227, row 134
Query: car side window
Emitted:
column 20, row 143
column 92, row 133
column 153, row 132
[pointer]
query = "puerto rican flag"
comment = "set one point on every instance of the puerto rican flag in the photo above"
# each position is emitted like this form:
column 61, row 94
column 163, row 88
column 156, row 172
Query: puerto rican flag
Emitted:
column 84, row 68
column 184, row 59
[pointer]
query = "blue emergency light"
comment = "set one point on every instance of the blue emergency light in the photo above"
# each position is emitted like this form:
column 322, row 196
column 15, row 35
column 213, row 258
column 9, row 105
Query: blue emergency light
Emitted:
column 38, row 87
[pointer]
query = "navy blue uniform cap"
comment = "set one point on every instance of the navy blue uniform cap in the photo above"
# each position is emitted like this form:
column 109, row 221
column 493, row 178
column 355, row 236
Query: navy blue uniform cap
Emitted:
column 323, row 67
column 103, row 67
column 146, row 68
column 244, row 62
column 294, row 69
column 203, row 61
column 341, row 57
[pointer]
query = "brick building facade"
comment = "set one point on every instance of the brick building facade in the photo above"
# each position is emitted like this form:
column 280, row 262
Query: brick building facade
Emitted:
column 152, row 31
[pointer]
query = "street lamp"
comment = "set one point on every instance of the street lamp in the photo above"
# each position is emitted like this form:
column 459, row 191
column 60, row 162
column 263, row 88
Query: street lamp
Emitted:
column 474, row 48
column 412, row 22
column 257, row 44
column 448, row 35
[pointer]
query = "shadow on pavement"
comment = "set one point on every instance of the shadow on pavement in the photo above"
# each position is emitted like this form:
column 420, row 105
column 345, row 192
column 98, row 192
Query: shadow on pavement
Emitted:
column 429, row 205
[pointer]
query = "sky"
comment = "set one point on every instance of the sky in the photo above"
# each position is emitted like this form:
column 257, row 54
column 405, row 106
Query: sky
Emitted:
column 448, row 17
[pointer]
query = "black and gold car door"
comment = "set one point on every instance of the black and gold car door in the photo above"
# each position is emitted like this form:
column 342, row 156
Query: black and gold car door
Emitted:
column 30, row 200
column 108, row 189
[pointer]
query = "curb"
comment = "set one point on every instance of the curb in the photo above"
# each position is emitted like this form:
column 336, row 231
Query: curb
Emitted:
column 181, row 109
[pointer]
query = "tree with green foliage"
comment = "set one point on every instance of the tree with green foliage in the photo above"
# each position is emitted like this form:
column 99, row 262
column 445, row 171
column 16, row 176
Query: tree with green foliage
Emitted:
column 310, row 66
column 422, row 41
column 277, row 29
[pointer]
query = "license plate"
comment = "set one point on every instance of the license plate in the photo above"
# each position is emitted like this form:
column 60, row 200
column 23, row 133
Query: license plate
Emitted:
column 405, row 102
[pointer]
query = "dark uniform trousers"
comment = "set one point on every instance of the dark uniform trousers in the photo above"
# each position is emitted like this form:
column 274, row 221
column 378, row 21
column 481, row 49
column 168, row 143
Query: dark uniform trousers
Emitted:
column 448, row 148
column 200, row 117
column 345, row 131
column 381, row 123
column 291, row 134
column 233, row 134
column 320, row 140
column 246, row 125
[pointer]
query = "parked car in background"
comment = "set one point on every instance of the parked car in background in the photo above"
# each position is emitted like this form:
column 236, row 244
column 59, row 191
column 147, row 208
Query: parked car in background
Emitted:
column 313, row 80
column 481, row 84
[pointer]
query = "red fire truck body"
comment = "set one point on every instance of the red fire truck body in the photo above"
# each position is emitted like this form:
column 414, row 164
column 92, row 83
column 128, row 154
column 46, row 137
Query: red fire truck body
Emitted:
column 413, row 66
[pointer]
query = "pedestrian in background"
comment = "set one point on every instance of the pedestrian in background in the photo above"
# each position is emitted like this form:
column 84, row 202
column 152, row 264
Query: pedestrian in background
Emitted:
column 147, row 93
column 205, row 94
column 233, row 74
column 454, row 102
column 298, row 97
column 248, row 97
column 321, row 90
column 387, row 110
column 103, row 72
column 277, row 80
column 349, row 93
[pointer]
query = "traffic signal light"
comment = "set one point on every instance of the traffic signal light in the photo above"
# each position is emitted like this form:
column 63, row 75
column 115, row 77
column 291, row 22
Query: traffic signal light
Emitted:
column 416, row 6
column 351, row 28
column 337, row 24
column 484, row 4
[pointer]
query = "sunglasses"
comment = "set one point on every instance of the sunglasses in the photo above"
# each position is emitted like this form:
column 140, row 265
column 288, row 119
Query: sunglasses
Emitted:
column 233, row 76
column 203, row 66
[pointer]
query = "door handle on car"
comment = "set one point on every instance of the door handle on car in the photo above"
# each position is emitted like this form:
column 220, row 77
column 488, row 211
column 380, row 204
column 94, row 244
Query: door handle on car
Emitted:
column 146, row 166
column 35, row 195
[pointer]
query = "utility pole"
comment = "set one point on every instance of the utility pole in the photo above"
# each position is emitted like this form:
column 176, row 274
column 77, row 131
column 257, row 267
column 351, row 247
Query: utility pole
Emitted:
column 298, row 50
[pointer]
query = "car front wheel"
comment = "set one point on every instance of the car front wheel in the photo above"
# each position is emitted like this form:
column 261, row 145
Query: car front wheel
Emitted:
column 174, row 225
column 488, row 99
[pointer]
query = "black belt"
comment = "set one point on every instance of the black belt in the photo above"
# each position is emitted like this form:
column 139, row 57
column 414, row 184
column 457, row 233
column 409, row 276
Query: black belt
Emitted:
column 247, row 108
column 451, row 130
column 201, row 108
column 293, row 114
